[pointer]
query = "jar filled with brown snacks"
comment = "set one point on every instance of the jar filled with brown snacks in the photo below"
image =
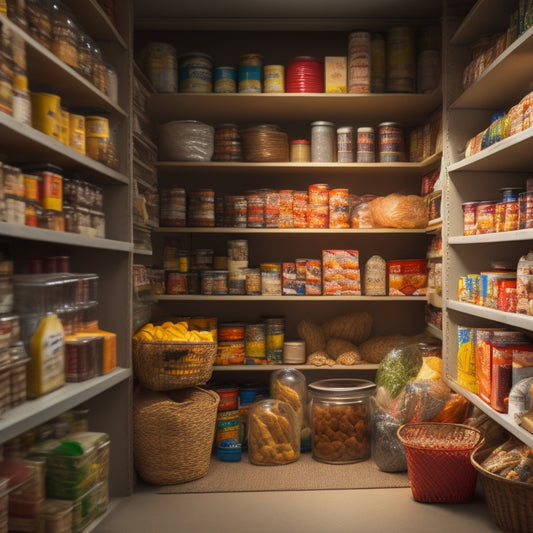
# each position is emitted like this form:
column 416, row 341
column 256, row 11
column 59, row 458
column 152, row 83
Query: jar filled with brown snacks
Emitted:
column 341, row 420
column 289, row 385
column 273, row 433
column 99, row 77
column 39, row 21
column 65, row 32
column 86, row 57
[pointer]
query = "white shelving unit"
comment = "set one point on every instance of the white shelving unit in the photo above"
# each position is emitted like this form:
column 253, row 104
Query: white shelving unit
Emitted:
column 107, row 397
column 479, row 177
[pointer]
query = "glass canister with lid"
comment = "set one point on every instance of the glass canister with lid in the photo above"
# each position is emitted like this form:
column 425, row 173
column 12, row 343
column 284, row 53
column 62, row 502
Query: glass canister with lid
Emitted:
column 289, row 385
column 341, row 420
column 65, row 33
column 273, row 433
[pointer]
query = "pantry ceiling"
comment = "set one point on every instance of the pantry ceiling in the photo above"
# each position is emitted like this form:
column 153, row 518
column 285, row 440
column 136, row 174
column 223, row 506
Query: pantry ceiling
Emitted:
column 166, row 14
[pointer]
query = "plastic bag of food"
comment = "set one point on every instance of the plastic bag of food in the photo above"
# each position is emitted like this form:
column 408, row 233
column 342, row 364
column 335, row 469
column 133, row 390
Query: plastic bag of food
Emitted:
column 399, row 211
column 387, row 450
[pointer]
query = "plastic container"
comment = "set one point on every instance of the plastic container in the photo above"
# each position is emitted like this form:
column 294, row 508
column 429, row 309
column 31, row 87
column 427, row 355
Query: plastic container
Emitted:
column 341, row 420
column 273, row 433
column 80, row 364
column 56, row 516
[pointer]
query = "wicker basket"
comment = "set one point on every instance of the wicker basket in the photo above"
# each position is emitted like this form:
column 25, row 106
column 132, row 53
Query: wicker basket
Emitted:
column 509, row 502
column 163, row 366
column 438, row 460
column 173, row 434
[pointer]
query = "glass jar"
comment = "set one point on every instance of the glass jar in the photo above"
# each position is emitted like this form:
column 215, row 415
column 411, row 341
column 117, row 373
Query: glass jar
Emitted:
column 289, row 385
column 65, row 34
column 99, row 77
column 273, row 433
column 85, row 57
column 300, row 151
column 340, row 420
column 323, row 142
column 39, row 21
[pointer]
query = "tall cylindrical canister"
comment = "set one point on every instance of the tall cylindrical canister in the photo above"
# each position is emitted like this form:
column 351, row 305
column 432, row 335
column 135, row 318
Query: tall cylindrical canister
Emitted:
column 161, row 67
column 378, row 63
column 345, row 144
column 391, row 143
column 195, row 73
column 366, row 151
column 46, row 113
column 429, row 59
column 275, row 337
column 255, row 344
column 250, row 73
column 323, row 142
column 401, row 60
column 225, row 80
column 274, row 78
column 359, row 62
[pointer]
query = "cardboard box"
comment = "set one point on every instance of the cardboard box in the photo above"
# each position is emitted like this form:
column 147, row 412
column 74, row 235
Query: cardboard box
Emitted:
column 335, row 74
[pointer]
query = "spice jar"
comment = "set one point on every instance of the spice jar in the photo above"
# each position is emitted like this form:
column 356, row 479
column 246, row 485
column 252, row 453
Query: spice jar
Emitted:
column 289, row 385
column 273, row 433
column 323, row 142
column 300, row 151
column 340, row 420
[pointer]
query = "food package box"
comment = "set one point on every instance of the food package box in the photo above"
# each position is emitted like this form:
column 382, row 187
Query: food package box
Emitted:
column 484, row 340
column 335, row 74
column 489, row 287
column 90, row 506
column 288, row 278
column 56, row 516
column 466, row 359
column 108, row 350
column 341, row 272
column 75, row 464
column 522, row 364
column 313, row 277
column 408, row 277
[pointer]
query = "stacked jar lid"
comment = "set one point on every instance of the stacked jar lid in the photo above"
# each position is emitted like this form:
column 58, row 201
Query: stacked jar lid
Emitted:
column 304, row 74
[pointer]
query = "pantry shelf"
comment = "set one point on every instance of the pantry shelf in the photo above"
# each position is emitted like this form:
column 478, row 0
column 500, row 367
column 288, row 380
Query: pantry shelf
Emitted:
column 514, row 66
column 511, row 319
column 43, row 66
column 24, row 144
column 259, row 368
column 408, row 109
column 34, row 412
column 503, row 419
column 290, row 231
column 504, row 236
column 512, row 154
column 288, row 298
column 61, row 237
column 394, row 170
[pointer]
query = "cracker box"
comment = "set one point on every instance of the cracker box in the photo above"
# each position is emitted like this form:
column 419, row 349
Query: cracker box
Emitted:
column 288, row 278
column 335, row 74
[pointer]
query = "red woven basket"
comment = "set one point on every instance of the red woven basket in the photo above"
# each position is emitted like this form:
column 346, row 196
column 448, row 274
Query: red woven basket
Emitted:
column 438, row 460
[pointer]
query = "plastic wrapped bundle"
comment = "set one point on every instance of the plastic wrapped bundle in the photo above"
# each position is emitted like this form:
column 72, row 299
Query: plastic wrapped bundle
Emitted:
column 186, row 140
column 387, row 451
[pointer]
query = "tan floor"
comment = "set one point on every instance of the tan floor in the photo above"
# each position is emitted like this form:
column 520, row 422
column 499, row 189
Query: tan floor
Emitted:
column 332, row 511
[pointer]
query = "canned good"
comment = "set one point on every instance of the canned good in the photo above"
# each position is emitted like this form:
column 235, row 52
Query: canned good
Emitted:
column 32, row 187
column 323, row 142
column 365, row 145
column 255, row 343
column 345, row 144
column 333, row 402
column 253, row 281
column 270, row 279
column 161, row 67
column 250, row 73
column 359, row 62
column 46, row 113
column 225, row 80
column 378, row 63
column 195, row 73
column 275, row 336
column 77, row 132
column 391, row 142
column 485, row 217
column 176, row 283
column 274, row 79
column 232, row 331
column 401, row 60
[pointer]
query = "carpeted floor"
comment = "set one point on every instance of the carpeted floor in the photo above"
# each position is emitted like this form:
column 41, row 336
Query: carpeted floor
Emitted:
column 304, row 474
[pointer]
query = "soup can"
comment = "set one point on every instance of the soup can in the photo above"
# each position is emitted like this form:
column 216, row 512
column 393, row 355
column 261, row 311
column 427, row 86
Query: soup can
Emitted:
column 274, row 79
column 391, row 142
column 195, row 73
column 401, row 60
column 46, row 113
column 225, row 80
column 250, row 73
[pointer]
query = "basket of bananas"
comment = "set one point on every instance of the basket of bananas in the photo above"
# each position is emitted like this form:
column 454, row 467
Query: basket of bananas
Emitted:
column 171, row 356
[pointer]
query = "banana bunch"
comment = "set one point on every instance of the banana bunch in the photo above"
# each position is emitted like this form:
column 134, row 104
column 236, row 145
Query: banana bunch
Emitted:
column 170, row 331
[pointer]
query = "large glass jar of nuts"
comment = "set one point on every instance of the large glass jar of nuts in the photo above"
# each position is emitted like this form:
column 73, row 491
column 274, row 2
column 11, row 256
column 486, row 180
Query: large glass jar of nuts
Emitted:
column 65, row 32
column 341, row 420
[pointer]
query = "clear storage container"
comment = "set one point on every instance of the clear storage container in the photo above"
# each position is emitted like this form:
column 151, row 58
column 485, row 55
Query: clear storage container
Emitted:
column 341, row 420
column 273, row 433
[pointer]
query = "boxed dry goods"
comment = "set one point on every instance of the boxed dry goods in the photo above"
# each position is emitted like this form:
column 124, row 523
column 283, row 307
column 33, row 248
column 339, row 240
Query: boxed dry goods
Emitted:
column 335, row 74
column 341, row 274
column 56, row 516
column 313, row 277
column 90, row 506
column 407, row 277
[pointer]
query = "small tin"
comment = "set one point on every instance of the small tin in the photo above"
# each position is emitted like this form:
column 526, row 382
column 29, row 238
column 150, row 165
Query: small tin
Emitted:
column 250, row 73
column 391, row 142
column 195, row 73
column 274, row 78
column 225, row 80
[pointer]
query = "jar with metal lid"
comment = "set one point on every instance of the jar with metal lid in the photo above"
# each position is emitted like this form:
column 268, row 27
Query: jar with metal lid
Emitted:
column 289, row 385
column 323, row 142
column 273, row 433
column 341, row 420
